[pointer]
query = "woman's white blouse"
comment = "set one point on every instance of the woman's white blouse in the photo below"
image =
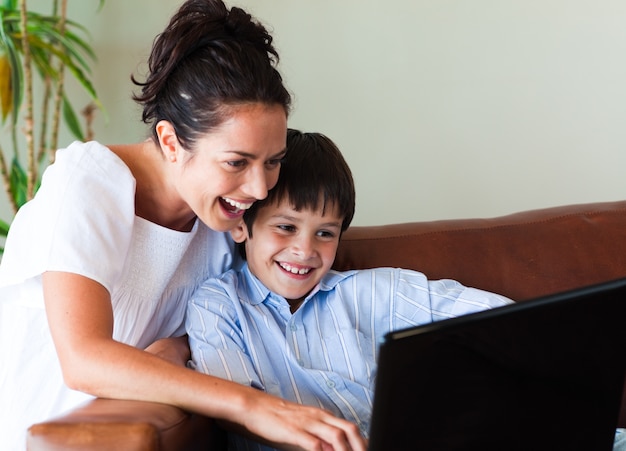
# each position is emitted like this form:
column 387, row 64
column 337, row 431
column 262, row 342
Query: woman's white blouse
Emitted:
column 83, row 221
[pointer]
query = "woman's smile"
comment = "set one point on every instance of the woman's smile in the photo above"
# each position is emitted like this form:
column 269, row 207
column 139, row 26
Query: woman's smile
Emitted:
column 234, row 208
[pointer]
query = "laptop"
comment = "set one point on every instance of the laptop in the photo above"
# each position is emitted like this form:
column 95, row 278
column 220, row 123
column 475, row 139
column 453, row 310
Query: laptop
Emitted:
column 544, row 374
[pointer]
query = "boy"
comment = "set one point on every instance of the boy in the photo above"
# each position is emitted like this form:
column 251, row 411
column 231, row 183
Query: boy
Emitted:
column 288, row 324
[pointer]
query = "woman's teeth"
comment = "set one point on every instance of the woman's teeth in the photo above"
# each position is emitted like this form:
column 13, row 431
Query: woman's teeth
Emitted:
column 237, row 205
column 294, row 270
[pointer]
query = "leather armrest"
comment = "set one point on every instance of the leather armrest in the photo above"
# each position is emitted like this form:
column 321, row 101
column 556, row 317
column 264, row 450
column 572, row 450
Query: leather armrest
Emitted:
column 105, row 424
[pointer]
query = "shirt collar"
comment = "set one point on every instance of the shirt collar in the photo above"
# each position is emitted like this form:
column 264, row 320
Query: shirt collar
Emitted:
column 259, row 292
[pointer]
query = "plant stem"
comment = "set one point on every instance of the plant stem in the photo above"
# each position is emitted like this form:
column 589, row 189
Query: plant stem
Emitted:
column 88, row 113
column 28, row 115
column 43, row 126
column 56, row 119
column 7, row 181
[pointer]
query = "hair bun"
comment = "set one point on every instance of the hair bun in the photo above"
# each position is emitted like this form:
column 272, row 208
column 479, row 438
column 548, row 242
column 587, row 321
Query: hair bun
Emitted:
column 242, row 26
column 208, row 56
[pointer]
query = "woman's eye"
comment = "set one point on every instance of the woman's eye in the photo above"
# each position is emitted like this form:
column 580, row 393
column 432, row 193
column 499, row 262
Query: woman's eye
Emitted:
column 272, row 164
column 237, row 163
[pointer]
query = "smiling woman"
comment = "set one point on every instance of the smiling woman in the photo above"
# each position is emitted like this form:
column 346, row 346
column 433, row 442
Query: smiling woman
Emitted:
column 134, row 229
column 240, row 157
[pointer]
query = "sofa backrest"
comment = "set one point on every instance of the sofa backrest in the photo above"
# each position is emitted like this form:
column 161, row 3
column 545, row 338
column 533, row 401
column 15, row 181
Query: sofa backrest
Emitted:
column 522, row 255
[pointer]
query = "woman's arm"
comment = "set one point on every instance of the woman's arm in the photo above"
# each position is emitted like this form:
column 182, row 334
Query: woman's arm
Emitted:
column 81, row 322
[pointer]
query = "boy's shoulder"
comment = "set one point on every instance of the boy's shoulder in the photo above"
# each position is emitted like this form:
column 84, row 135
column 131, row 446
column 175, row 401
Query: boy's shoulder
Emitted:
column 373, row 271
column 220, row 283
column 237, row 284
column 228, row 276
column 383, row 274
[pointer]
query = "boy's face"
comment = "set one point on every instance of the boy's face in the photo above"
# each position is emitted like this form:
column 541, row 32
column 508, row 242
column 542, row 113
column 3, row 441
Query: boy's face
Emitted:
column 290, row 251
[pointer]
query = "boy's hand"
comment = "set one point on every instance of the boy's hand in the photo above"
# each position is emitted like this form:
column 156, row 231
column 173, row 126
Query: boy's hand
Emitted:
column 174, row 350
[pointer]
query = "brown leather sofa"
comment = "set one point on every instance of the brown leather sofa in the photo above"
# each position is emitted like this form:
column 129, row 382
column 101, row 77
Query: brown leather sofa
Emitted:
column 522, row 256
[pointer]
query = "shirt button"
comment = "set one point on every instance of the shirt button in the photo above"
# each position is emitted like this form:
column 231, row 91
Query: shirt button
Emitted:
column 294, row 327
column 331, row 384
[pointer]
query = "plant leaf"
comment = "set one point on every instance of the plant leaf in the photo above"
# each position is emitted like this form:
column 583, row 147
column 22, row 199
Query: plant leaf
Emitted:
column 6, row 93
column 86, row 84
column 17, row 77
column 11, row 4
column 4, row 231
column 71, row 120
column 4, row 228
column 18, row 183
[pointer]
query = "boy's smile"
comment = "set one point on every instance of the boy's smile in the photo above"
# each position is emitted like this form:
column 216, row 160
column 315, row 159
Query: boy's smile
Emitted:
column 290, row 251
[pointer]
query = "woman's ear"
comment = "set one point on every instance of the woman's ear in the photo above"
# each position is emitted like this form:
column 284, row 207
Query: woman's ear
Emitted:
column 239, row 232
column 167, row 140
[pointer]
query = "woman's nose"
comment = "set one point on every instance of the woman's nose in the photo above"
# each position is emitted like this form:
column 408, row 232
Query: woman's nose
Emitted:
column 259, row 182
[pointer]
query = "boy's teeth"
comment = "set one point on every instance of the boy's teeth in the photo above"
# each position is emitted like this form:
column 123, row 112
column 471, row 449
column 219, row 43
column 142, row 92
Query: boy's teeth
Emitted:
column 294, row 270
column 239, row 205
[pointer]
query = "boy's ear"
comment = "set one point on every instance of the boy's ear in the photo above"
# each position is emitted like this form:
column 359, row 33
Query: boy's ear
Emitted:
column 239, row 232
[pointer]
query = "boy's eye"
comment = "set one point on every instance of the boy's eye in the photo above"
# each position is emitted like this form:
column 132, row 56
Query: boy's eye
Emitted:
column 286, row 227
column 325, row 234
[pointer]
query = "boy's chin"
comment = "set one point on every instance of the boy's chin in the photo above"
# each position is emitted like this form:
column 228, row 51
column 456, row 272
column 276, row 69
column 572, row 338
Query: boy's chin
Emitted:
column 296, row 298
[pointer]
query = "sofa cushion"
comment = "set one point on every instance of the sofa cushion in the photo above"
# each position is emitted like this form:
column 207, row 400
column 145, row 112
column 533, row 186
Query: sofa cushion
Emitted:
column 522, row 255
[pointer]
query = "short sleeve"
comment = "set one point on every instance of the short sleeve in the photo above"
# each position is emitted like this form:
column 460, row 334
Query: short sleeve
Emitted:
column 80, row 221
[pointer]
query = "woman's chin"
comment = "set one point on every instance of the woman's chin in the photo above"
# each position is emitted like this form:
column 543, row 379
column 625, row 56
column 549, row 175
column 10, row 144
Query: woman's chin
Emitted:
column 222, row 222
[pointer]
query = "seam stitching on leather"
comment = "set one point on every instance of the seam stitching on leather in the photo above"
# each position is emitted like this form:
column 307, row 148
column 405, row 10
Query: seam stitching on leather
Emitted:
column 494, row 227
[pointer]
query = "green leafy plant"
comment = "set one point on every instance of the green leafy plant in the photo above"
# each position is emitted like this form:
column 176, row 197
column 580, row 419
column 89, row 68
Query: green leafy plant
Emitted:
column 49, row 46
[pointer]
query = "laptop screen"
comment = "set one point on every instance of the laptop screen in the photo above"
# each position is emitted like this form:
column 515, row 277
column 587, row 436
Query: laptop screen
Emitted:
column 540, row 374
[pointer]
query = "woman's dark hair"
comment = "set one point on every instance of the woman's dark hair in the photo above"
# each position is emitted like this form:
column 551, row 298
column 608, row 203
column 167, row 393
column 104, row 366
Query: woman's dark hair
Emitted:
column 207, row 60
column 314, row 175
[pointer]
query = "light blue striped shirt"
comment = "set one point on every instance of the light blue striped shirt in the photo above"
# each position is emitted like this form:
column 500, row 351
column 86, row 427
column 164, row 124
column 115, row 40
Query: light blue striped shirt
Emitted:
column 325, row 353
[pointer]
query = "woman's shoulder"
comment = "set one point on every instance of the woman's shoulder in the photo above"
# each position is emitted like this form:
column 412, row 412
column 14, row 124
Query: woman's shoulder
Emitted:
column 87, row 172
column 84, row 175
column 86, row 201
column 92, row 157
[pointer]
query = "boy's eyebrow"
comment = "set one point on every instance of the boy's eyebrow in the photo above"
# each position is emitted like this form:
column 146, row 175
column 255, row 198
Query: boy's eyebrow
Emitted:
column 284, row 217
column 294, row 219
column 331, row 224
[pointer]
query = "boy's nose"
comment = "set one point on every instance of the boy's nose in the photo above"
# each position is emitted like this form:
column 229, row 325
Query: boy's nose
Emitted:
column 304, row 247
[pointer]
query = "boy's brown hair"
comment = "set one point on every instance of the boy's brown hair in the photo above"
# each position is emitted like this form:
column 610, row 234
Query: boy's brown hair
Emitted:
column 314, row 175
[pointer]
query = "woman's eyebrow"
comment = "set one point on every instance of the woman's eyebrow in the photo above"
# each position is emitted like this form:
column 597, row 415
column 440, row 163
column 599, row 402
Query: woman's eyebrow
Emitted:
column 253, row 156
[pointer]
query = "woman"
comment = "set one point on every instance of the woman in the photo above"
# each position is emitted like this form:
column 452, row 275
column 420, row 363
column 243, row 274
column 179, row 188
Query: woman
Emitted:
column 98, row 267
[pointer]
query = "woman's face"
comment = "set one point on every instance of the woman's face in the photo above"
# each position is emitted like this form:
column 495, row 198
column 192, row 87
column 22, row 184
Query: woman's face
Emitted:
column 234, row 165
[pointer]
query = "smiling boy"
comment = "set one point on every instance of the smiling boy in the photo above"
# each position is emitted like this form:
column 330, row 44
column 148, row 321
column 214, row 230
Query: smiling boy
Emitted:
column 286, row 323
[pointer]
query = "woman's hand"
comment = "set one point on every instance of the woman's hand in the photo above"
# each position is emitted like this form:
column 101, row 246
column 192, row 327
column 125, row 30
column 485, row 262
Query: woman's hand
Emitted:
column 292, row 426
column 174, row 350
